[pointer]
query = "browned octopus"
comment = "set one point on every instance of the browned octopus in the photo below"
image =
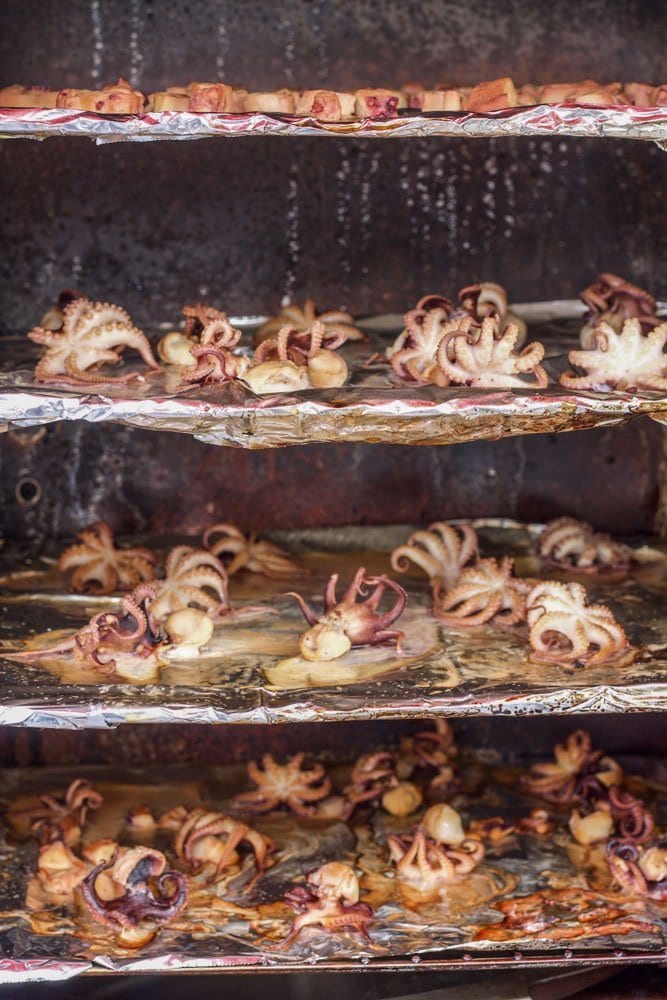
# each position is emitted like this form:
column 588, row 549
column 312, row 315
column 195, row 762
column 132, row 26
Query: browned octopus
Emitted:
column 109, row 634
column 330, row 899
column 63, row 818
column 349, row 622
column 613, row 299
column 640, row 871
column 579, row 772
column 149, row 891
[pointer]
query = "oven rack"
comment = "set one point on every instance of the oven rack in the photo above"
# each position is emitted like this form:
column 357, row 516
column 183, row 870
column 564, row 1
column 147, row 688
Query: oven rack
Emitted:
column 372, row 407
column 647, row 124
column 244, row 674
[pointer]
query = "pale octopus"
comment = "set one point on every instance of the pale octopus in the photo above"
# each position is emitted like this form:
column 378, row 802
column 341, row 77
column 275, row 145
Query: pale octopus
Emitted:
column 257, row 555
column 441, row 552
column 623, row 360
column 437, row 852
column 301, row 319
column 485, row 358
column 330, row 899
column 289, row 784
column 347, row 622
column 487, row 592
column 414, row 354
column 101, row 567
column 192, row 577
column 612, row 300
column 92, row 334
column 570, row 544
column 564, row 629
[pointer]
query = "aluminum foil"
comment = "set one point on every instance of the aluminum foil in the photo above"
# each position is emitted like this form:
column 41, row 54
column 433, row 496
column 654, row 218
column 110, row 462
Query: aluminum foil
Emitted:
column 241, row 922
column 546, row 120
column 248, row 672
column 373, row 406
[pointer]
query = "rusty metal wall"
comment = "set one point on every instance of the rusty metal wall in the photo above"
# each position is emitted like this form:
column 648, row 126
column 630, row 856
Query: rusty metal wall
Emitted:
column 264, row 44
column 176, row 744
column 370, row 225
column 141, row 481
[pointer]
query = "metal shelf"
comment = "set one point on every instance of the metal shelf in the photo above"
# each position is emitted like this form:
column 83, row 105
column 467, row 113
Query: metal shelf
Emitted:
column 372, row 407
column 648, row 124
column 477, row 672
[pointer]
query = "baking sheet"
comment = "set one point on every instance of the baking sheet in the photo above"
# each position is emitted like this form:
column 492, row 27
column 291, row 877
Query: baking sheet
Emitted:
column 241, row 924
column 648, row 123
column 441, row 671
column 374, row 406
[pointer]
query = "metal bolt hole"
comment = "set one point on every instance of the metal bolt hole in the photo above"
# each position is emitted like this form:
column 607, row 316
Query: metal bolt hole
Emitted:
column 28, row 492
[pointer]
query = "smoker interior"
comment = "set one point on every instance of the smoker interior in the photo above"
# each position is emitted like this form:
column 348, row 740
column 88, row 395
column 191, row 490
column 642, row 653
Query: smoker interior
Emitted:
column 363, row 224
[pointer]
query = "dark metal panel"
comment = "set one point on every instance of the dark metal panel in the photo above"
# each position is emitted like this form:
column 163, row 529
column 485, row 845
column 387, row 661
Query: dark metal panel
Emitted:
column 140, row 481
column 368, row 224
column 174, row 744
column 264, row 44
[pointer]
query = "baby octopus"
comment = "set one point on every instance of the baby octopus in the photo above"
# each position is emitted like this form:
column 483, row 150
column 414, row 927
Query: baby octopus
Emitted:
column 108, row 636
column 484, row 593
column 330, row 899
column 570, row 544
column 640, row 871
column 92, row 334
column 56, row 819
column 211, row 838
column 192, row 576
column 613, row 300
column 347, row 622
column 622, row 360
column 441, row 552
column 256, row 555
column 565, row 629
column 214, row 356
column 437, row 851
column 578, row 773
column 486, row 357
column 288, row 784
column 301, row 319
column 100, row 567
column 373, row 774
column 144, row 891
column 298, row 360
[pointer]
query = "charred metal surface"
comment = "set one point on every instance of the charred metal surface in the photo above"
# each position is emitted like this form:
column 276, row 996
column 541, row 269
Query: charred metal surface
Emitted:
column 370, row 225
column 198, row 744
column 54, row 484
column 313, row 43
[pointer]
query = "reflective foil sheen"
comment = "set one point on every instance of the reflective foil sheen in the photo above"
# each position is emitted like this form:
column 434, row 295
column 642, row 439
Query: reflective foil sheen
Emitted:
column 545, row 120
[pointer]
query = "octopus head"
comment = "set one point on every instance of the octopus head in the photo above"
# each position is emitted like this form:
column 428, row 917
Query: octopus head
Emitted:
column 335, row 880
column 653, row 864
column 443, row 824
column 326, row 640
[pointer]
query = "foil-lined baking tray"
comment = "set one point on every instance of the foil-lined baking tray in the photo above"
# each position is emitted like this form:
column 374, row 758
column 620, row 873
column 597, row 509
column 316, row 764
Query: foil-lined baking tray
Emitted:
column 374, row 406
column 545, row 120
column 241, row 922
column 251, row 671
